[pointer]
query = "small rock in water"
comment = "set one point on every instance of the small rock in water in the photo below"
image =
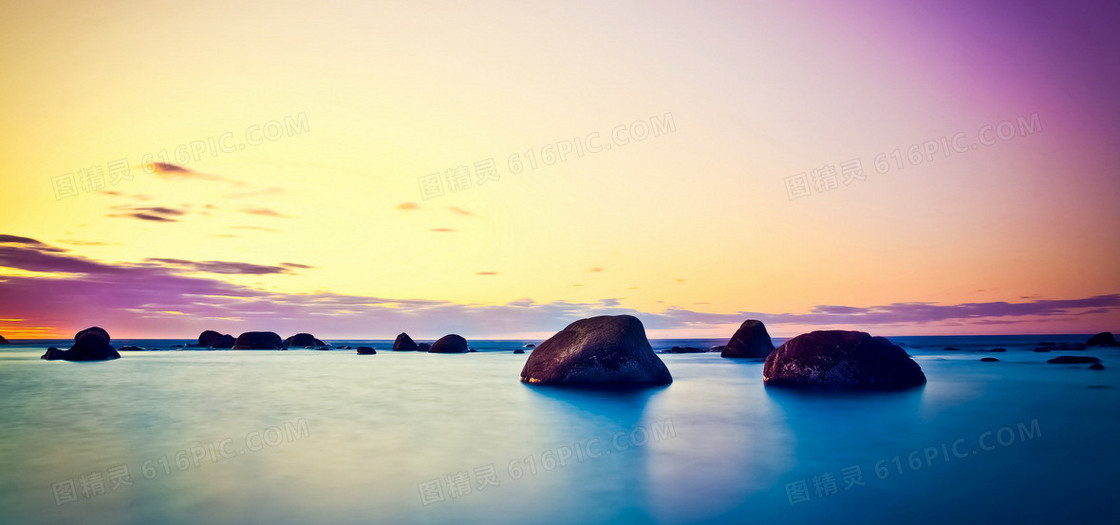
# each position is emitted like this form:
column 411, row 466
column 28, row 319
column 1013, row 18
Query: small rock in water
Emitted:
column 998, row 350
column 1103, row 339
column 403, row 342
column 258, row 341
column 1096, row 366
column 530, row 345
column 519, row 351
column 212, row 339
column 750, row 340
column 365, row 350
column 130, row 348
column 1073, row 360
column 684, row 350
column 423, row 347
column 304, row 340
column 450, row 344
column 989, row 360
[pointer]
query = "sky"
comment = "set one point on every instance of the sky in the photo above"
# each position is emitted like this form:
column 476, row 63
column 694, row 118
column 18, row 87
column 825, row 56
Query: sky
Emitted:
column 502, row 169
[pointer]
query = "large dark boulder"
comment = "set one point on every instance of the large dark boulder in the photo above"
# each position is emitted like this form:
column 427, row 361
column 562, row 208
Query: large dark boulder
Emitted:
column 750, row 340
column 841, row 359
column 1101, row 339
column 1073, row 360
column 450, row 344
column 91, row 344
column 212, row 339
column 604, row 351
column 258, row 341
column 404, row 342
column 302, row 340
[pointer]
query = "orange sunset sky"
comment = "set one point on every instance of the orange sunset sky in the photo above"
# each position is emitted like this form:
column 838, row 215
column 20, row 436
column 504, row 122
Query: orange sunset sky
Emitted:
column 503, row 169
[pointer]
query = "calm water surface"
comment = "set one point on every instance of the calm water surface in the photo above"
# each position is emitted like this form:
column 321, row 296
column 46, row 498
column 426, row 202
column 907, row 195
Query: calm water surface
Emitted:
column 402, row 437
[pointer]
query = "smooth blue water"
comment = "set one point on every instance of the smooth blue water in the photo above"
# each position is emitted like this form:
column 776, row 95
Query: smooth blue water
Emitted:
column 333, row 437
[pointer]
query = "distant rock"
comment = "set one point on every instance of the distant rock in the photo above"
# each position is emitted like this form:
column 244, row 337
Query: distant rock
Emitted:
column 998, row 350
column 1042, row 349
column 423, row 347
column 258, row 341
column 989, row 360
column 450, row 344
column 4, row 341
column 518, row 351
column 212, row 339
column 1101, row 339
column 303, row 340
column 91, row 344
column 1096, row 366
column 750, row 340
column 684, row 350
column 719, row 348
column 604, row 351
column 952, row 349
column 129, row 348
column 530, row 345
column 1073, row 360
column 365, row 350
column 404, row 343
column 841, row 359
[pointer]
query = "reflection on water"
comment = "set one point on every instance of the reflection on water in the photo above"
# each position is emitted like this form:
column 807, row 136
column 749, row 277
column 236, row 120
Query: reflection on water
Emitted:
column 404, row 437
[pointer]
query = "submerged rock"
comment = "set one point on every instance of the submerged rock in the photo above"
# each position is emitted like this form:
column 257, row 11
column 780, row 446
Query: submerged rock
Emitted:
column 258, row 341
column 365, row 350
column 212, row 339
column 605, row 351
column 518, row 351
column 841, row 359
column 1073, row 360
column 684, row 350
column 404, row 342
column 450, row 344
column 1101, row 339
column 988, row 360
column 1096, row 366
column 750, row 340
column 304, row 340
column 91, row 344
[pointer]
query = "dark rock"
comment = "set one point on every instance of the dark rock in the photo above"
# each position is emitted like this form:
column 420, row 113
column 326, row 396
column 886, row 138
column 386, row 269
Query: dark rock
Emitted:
column 1042, row 349
column 450, row 344
column 91, row 344
column 530, row 345
column 519, row 351
column 604, row 351
column 212, row 339
column 128, row 348
column 750, row 340
column 1073, row 360
column 404, row 342
column 719, row 348
column 4, row 341
column 989, row 360
column 841, row 359
column 365, row 350
column 952, row 349
column 423, row 347
column 471, row 350
column 998, row 350
column 1096, row 366
column 258, row 341
column 684, row 350
column 303, row 340
column 1101, row 339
